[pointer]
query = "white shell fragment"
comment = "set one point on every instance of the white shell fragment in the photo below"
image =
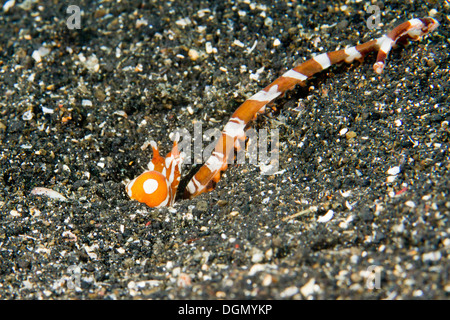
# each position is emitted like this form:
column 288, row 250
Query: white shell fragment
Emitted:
column 326, row 217
column 27, row 115
column 392, row 174
column 46, row 110
column 41, row 191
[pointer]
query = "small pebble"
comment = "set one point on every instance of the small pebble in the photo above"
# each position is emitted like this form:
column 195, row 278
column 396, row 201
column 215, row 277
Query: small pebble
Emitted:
column 268, row 22
column 343, row 131
column 46, row 110
column 208, row 48
column 393, row 171
column 309, row 288
column 183, row 22
column 410, row 204
column 193, row 54
column 267, row 280
column 432, row 256
column 141, row 22
column 257, row 256
column 350, row 135
column 86, row 103
column 238, row 43
column 289, row 292
column 8, row 5
column 36, row 56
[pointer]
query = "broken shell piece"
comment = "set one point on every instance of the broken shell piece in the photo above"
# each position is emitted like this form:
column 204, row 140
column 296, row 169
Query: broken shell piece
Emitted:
column 41, row 191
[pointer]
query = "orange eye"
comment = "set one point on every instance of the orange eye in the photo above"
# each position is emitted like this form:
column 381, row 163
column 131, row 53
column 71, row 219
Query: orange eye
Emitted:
column 149, row 188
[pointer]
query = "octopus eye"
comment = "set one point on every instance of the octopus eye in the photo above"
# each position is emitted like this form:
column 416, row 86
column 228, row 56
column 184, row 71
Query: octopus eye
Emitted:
column 151, row 188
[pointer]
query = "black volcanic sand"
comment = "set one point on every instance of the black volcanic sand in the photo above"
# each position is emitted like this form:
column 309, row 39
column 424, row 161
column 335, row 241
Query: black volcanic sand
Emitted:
column 78, row 108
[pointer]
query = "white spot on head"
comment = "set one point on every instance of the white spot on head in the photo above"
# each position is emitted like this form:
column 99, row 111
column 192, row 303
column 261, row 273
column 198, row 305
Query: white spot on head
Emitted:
column 150, row 186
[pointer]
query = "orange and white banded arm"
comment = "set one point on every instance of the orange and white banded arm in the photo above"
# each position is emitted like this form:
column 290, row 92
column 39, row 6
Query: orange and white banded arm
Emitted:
column 158, row 186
